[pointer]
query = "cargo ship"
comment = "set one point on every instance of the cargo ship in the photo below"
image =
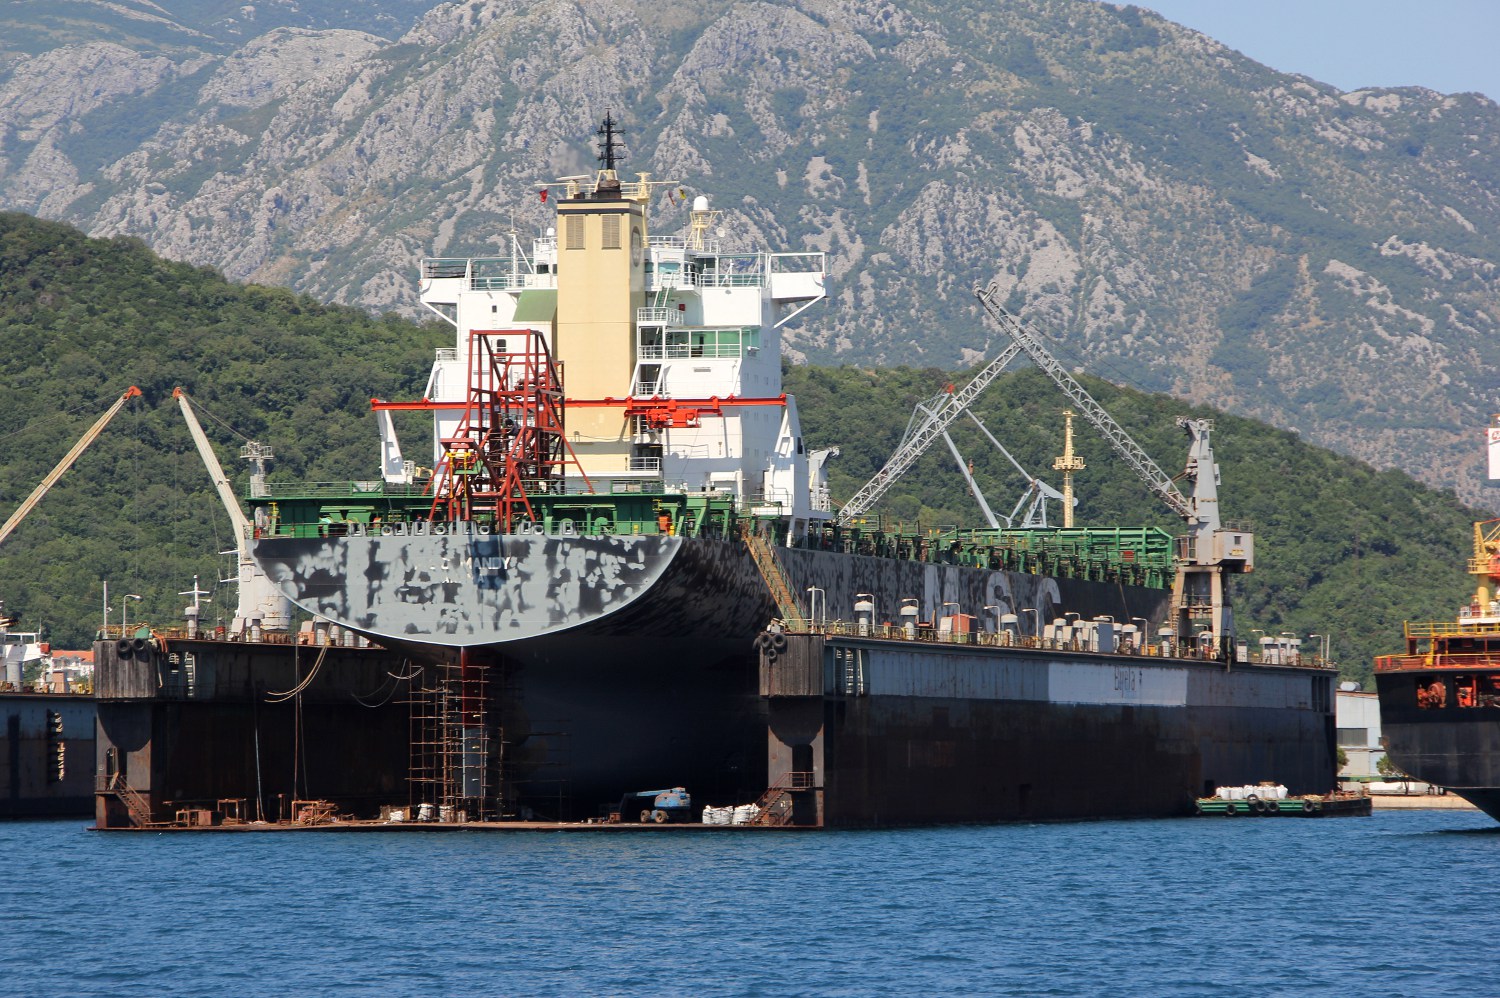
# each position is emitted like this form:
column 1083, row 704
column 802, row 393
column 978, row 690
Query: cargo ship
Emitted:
column 620, row 500
column 1440, row 698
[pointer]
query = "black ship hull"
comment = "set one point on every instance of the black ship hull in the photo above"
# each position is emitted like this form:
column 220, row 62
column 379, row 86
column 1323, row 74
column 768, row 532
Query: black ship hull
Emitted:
column 1453, row 746
column 660, row 686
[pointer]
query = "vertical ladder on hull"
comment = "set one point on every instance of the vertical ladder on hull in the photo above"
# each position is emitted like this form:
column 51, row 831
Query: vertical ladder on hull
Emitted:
column 775, row 579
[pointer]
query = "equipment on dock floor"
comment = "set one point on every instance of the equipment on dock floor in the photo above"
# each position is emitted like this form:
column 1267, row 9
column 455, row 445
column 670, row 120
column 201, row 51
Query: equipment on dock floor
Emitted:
column 656, row 806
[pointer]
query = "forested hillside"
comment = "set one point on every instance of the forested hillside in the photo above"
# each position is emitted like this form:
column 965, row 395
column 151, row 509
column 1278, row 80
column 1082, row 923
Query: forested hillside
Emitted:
column 80, row 321
column 1232, row 235
column 1343, row 549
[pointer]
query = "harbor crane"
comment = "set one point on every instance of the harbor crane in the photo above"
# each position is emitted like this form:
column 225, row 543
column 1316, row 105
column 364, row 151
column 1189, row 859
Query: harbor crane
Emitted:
column 1209, row 550
column 67, row 462
column 929, row 422
column 260, row 601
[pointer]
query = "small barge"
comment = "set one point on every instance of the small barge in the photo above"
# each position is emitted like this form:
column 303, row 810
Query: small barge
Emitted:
column 1263, row 801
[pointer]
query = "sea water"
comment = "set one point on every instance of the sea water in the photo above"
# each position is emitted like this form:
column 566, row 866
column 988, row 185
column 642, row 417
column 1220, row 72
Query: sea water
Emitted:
column 1401, row 903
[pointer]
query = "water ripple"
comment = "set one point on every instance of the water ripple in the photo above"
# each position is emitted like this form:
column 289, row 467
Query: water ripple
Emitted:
column 1172, row 908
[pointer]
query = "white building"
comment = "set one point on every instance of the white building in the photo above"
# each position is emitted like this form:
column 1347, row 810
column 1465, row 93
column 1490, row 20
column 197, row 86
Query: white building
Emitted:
column 1357, row 718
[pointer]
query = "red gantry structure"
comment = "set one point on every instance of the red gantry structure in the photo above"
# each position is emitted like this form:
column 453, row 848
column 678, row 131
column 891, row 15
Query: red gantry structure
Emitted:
column 509, row 443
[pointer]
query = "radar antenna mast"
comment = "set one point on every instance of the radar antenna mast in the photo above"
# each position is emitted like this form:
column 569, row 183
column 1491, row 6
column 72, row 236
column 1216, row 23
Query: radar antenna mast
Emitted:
column 608, row 146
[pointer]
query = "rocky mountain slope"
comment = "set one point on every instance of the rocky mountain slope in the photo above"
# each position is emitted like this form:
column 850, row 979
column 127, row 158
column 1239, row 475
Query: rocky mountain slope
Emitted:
column 1171, row 213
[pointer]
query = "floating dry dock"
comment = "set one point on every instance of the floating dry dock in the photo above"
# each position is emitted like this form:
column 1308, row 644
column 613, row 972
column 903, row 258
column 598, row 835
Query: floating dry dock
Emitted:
column 863, row 725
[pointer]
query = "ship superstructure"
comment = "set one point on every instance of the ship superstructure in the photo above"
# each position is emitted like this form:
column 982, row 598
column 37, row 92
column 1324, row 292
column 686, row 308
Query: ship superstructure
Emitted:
column 670, row 348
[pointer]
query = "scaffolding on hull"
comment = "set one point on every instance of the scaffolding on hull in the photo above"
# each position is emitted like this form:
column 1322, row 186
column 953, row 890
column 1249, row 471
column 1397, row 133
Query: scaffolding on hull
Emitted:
column 456, row 756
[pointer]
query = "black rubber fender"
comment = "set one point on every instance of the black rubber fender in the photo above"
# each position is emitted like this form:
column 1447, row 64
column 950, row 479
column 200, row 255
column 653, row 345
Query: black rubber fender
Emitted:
column 122, row 648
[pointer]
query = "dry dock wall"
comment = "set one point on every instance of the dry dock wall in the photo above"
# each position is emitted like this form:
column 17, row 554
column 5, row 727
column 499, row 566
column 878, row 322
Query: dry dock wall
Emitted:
column 36, row 732
column 913, row 732
column 193, row 722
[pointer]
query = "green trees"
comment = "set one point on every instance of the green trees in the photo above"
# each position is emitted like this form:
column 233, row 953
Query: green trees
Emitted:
column 82, row 319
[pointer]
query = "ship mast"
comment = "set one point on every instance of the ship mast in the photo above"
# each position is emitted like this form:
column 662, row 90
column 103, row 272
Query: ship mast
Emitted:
column 608, row 148
column 1067, row 464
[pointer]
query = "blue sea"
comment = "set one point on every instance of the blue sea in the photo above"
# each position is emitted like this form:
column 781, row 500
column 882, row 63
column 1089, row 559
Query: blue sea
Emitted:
column 1401, row 903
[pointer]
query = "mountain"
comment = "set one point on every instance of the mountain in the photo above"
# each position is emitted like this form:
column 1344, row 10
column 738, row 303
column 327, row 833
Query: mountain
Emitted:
column 1171, row 213
column 1343, row 549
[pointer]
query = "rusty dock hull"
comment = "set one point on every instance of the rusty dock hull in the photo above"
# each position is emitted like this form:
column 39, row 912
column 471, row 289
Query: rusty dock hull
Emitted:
column 189, row 724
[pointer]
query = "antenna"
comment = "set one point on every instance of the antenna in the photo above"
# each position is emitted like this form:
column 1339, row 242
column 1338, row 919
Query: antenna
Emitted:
column 608, row 133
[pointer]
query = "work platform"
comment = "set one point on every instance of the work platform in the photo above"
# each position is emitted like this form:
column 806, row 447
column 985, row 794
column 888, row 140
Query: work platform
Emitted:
column 458, row 826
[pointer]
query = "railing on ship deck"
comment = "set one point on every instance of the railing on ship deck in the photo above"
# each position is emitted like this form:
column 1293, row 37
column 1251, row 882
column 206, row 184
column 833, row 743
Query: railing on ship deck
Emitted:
column 924, row 633
column 1126, row 556
column 1482, row 662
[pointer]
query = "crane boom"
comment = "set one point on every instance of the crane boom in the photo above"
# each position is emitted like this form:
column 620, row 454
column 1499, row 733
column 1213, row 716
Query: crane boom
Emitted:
column 1208, row 551
column 921, row 434
column 1139, row 461
column 66, row 463
column 260, row 603
column 237, row 516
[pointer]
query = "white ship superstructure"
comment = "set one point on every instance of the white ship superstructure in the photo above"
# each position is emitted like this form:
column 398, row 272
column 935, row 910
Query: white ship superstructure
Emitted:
column 669, row 348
